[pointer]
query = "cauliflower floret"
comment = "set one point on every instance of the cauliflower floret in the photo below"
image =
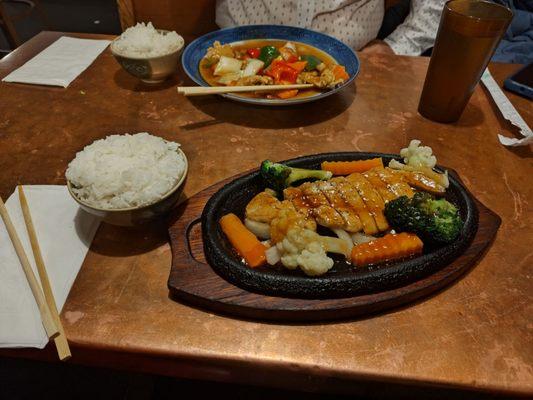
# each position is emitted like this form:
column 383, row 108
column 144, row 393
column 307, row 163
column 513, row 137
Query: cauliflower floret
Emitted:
column 313, row 260
column 418, row 156
column 306, row 249
column 289, row 253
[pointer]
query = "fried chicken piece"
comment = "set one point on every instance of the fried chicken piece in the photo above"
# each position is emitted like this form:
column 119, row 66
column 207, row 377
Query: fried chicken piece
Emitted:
column 326, row 79
column 214, row 52
column 307, row 77
column 254, row 80
column 288, row 217
column 264, row 207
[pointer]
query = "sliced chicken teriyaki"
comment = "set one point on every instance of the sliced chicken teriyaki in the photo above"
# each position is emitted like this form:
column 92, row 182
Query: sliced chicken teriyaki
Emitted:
column 372, row 199
column 351, row 196
column 394, row 181
column 333, row 194
column 353, row 203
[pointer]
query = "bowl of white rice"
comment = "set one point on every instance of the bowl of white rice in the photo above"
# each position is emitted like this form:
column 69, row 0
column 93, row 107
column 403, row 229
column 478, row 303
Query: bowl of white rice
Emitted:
column 147, row 53
column 128, row 179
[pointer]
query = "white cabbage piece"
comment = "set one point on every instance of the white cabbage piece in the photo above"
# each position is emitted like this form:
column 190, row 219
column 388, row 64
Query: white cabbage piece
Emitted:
column 227, row 65
column 290, row 45
column 252, row 67
column 288, row 51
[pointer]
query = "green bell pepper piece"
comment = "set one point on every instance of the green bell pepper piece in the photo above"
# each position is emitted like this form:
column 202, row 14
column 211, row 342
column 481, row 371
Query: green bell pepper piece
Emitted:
column 312, row 61
column 268, row 54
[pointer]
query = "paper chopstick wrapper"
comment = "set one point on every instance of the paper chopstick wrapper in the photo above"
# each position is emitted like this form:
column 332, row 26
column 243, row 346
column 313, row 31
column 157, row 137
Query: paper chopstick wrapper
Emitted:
column 65, row 234
column 508, row 111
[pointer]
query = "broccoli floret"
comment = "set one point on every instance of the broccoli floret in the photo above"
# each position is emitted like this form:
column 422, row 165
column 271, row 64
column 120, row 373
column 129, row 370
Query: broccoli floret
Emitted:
column 402, row 215
column 434, row 220
column 446, row 223
column 280, row 176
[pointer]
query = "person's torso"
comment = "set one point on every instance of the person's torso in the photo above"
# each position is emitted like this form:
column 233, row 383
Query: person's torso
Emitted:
column 355, row 22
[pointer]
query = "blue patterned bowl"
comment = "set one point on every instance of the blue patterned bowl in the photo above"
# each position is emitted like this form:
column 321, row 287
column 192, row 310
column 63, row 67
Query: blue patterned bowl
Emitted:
column 344, row 55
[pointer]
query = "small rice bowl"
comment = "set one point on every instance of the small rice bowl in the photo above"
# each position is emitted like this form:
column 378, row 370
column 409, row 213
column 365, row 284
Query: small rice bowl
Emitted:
column 144, row 41
column 125, row 171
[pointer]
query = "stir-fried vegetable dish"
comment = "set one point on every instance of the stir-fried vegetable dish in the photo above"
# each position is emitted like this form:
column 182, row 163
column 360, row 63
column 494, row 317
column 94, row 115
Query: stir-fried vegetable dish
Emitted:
column 271, row 62
column 374, row 213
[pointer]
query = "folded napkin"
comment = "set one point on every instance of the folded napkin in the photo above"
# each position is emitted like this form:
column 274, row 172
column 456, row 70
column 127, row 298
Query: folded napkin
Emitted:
column 60, row 63
column 65, row 233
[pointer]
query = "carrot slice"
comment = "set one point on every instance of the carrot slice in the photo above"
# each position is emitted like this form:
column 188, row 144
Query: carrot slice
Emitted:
column 244, row 241
column 349, row 167
column 387, row 248
column 340, row 73
column 287, row 94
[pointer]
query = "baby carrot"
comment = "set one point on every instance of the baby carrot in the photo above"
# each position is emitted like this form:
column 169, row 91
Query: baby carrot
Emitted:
column 349, row 167
column 244, row 241
column 386, row 248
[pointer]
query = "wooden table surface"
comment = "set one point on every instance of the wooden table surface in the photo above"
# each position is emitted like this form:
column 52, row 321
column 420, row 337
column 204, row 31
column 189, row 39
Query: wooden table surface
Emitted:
column 475, row 334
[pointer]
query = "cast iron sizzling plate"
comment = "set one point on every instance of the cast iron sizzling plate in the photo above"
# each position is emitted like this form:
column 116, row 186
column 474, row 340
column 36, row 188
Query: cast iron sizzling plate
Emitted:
column 343, row 280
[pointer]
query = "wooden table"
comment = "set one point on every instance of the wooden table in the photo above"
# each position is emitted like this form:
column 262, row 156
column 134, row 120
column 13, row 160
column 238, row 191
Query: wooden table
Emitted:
column 475, row 334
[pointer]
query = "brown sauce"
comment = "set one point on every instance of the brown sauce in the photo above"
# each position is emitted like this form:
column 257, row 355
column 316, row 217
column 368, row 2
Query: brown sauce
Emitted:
column 301, row 49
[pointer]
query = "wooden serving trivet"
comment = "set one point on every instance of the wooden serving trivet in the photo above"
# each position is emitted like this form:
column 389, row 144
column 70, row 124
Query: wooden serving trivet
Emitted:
column 194, row 282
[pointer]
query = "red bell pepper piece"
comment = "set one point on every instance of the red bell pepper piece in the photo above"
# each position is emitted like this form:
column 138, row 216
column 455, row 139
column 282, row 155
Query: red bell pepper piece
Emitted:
column 298, row 65
column 254, row 52
column 281, row 71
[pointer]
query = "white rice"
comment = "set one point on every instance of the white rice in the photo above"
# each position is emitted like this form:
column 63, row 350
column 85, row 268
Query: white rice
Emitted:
column 144, row 41
column 123, row 171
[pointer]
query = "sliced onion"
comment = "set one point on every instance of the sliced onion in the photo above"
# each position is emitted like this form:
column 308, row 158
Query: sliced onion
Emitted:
column 345, row 237
column 336, row 245
column 272, row 255
column 360, row 238
column 259, row 229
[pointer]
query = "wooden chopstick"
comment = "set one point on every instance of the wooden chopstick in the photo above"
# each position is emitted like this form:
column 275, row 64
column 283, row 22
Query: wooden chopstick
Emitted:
column 46, row 316
column 63, row 349
column 202, row 91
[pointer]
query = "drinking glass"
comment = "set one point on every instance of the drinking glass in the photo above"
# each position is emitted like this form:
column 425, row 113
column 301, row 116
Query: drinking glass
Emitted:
column 468, row 34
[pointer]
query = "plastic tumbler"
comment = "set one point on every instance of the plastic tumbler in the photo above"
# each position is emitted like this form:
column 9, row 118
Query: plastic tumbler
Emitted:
column 469, row 32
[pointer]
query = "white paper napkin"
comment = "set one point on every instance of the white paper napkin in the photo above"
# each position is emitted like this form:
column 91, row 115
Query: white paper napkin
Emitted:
column 508, row 111
column 65, row 233
column 60, row 63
